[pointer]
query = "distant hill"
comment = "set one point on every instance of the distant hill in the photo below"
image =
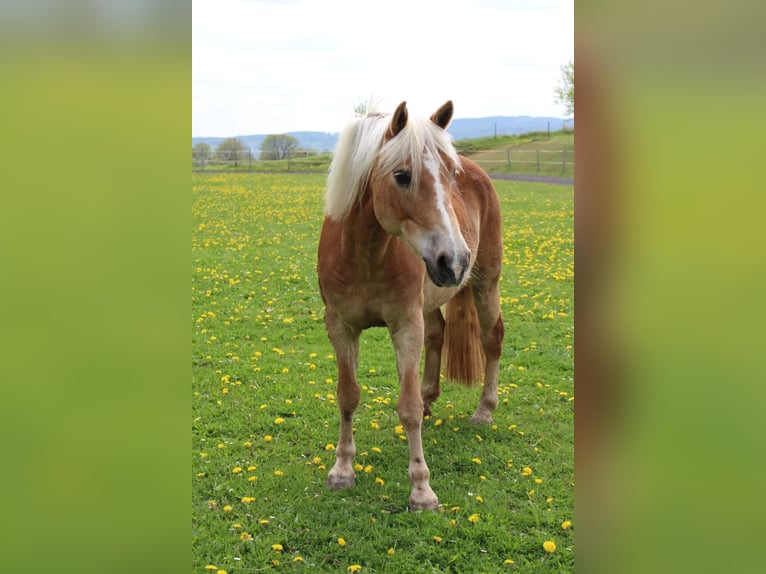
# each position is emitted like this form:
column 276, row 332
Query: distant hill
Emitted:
column 470, row 128
column 460, row 128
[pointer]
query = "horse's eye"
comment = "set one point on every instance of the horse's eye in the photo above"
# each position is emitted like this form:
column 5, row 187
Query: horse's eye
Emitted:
column 403, row 177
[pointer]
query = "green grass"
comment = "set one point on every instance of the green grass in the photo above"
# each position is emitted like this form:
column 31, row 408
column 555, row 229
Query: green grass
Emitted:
column 520, row 154
column 263, row 409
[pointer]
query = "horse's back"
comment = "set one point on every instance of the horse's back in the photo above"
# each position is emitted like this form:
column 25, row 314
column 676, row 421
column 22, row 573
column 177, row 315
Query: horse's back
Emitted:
column 481, row 214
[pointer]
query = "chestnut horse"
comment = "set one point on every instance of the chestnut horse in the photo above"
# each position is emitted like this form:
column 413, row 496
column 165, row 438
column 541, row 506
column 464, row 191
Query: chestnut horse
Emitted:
column 409, row 227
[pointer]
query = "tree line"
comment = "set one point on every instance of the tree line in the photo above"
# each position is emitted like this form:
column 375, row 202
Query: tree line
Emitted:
column 273, row 147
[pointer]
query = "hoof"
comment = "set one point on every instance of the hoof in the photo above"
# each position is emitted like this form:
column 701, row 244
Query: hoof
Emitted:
column 481, row 419
column 431, row 504
column 339, row 482
column 423, row 499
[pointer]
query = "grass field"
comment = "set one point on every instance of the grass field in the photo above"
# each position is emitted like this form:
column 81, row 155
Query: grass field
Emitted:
column 264, row 419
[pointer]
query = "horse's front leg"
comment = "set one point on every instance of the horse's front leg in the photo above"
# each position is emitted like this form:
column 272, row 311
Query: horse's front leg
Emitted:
column 407, row 337
column 346, row 345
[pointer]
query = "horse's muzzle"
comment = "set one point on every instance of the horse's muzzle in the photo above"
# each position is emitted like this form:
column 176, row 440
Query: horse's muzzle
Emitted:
column 447, row 271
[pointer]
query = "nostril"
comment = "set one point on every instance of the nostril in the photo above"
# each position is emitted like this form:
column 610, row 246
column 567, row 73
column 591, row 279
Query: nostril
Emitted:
column 442, row 262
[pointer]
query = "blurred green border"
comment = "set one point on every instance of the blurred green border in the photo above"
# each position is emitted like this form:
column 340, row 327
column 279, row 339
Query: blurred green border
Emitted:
column 95, row 259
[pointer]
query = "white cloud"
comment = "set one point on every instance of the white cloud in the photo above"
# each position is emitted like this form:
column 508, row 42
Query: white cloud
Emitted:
column 267, row 66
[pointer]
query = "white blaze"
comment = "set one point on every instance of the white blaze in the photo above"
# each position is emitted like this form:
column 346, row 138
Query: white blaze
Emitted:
column 432, row 165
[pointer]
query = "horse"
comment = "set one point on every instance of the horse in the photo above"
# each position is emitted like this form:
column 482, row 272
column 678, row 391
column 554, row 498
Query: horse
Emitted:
column 410, row 227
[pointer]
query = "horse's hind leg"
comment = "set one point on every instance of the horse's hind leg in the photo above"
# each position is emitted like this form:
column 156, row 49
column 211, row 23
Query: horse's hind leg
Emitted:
column 487, row 299
column 433, row 341
column 346, row 345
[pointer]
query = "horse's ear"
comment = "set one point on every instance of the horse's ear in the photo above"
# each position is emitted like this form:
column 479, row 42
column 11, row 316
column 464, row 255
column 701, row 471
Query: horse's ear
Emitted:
column 398, row 121
column 443, row 116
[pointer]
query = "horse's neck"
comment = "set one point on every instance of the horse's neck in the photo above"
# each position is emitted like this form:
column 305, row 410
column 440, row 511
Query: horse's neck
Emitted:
column 364, row 241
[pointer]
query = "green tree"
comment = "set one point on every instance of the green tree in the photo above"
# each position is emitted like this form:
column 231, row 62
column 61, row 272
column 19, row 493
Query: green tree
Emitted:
column 232, row 148
column 278, row 146
column 564, row 93
column 201, row 153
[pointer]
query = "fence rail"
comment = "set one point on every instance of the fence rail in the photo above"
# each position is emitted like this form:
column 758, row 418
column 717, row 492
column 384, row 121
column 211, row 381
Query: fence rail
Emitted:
column 510, row 158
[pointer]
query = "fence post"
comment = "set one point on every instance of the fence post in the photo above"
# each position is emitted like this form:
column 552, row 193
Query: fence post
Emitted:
column 538, row 159
column 509, row 158
column 563, row 161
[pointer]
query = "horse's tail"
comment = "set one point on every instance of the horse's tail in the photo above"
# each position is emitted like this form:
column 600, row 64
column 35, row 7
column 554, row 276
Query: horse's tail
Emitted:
column 463, row 353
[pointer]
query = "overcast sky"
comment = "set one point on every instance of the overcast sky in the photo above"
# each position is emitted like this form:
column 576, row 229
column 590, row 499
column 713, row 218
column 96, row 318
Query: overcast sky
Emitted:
column 271, row 66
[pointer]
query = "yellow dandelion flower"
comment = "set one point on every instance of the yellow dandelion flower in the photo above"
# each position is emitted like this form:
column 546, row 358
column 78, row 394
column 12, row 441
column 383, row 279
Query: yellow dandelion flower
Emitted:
column 476, row 460
column 341, row 541
column 380, row 481
column 566, row 525
column 251, row 468
column 526, row 471
column 277, row 547
column 358, row 467
column 263, row 521
column 538, row 481
column 329, row 446
column 236, row 469
column 279, row 421
column 549, row 546
column 248, row 499
column 391, row 551
column 479, row 499
column 247, row 444
column 245, row 537
column 507, row 561
column 298, row 559
column 220, row 572
column 316, row 460
column 279, row 473
column 236, row 526
column 211, row 567
column 437, row 422
column 252, row 478
column 227, row 508
column 368, row 468
column 437, row 539
column 399, row 429
column 376, row 449
column 453, row 522
column 354, row 568
column 474, row 518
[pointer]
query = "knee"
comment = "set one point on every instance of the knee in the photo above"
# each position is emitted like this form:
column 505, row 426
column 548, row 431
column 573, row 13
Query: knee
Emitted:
column 411, row 412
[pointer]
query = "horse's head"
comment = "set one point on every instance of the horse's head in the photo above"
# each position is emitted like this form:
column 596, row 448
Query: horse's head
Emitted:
column 412, row 185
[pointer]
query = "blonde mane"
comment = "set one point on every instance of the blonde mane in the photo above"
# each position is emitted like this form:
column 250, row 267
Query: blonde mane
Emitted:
column 363, row 143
